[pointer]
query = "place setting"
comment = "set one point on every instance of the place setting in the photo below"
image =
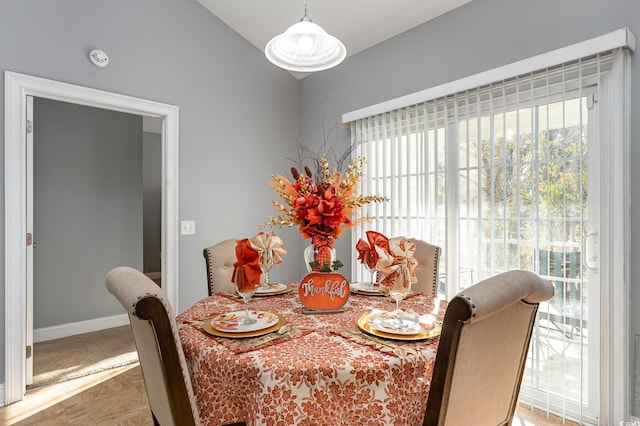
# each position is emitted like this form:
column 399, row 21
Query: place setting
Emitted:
column 395, row 332
column 240, row 324
column 398, row 333
column 270, row 329
column 400, row 325
column 249, row 274
column 250, row 329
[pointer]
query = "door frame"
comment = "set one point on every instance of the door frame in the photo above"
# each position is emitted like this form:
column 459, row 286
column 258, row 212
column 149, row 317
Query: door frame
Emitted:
column 17, row 88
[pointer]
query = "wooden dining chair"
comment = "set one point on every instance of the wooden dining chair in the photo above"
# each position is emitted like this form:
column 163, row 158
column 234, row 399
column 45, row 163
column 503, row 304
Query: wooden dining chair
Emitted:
column 155, row 332
column 428, row 256
column 482, row 350
column 219, row 259
column 164, row 369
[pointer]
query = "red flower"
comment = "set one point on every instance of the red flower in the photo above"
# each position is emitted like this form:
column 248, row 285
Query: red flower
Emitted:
column 321, row 208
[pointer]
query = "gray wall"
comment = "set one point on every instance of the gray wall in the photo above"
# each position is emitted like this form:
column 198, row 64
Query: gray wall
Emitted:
column 478, row 36
column 152, row 201
column 174, row 51
column 87, row 208
column 238, row 113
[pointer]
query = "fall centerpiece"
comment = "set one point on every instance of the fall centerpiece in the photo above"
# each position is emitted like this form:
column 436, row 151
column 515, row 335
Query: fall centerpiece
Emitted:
column 321, row 205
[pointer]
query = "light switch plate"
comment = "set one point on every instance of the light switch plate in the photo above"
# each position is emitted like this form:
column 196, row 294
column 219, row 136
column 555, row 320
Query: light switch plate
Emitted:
column 187, row 227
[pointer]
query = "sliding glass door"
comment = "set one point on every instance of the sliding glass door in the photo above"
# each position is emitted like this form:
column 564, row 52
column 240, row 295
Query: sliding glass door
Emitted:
column 507, row 176
column 525, row 201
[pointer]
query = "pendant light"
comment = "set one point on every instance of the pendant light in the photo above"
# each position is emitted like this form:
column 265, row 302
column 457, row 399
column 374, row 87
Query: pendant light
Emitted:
column 305, row 47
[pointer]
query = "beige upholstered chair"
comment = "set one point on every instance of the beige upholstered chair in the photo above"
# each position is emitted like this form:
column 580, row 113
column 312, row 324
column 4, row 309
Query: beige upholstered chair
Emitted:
column 161, row 358
column 219, row 259
column 164, row 369
column 429, row 258
column 482, row 351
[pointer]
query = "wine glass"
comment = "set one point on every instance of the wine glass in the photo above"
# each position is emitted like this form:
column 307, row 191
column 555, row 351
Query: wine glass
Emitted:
column 246, row 291
column 266, row 263
column 401, row 287
column 369, row 263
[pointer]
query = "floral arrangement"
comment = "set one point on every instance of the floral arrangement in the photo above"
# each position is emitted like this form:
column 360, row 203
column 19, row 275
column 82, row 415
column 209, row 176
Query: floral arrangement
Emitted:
column 320, row 205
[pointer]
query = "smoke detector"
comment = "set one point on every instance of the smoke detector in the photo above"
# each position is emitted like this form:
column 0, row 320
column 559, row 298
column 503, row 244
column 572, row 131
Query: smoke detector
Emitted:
column 99, row 58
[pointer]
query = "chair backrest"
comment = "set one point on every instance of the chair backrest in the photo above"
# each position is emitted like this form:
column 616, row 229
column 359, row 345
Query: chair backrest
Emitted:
column 164, row 369
column 428, row 256
column 219, row 259
column 483, row 348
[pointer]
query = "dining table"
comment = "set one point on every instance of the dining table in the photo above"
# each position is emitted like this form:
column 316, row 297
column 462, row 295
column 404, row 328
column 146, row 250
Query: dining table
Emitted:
column 315, row 367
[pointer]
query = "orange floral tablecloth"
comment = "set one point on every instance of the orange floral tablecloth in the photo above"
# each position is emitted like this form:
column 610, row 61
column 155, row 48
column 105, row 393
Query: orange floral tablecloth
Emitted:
column 319, row 378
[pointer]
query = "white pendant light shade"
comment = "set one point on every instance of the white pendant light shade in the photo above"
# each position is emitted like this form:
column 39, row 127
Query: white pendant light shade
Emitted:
column 305, row 47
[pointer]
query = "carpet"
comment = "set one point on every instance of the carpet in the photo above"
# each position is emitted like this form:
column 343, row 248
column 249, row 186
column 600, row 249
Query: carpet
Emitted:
column 58, row 360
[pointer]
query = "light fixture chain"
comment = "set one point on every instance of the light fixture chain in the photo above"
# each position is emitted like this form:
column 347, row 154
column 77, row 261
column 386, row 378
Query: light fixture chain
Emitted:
column 305, row 17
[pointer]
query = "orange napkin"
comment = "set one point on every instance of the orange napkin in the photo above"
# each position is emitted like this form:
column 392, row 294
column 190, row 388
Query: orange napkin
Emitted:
column 246, row 271
column 398, row 261
column 368, row 252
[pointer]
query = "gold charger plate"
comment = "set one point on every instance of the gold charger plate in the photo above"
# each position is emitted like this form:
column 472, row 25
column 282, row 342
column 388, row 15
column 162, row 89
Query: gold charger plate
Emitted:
column 285, row 290
column 206, row 326
column 434, row 332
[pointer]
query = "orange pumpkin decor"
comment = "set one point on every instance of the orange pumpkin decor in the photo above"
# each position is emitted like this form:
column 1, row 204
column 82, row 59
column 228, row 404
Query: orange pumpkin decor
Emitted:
column 324, row 290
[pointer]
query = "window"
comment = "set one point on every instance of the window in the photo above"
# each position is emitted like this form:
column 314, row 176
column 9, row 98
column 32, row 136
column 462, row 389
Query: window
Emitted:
column 508, row 176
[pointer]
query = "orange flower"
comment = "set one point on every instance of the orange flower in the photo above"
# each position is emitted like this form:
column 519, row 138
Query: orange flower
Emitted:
column 322, row 208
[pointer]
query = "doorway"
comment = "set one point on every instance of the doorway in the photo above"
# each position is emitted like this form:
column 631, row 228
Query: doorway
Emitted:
column 18, row 88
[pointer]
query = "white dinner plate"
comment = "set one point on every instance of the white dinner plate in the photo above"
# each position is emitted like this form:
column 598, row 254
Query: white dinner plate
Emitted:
column 272, row 288
column 232, row 322
column 365, row 324
column 365, row 289
column 410, row 324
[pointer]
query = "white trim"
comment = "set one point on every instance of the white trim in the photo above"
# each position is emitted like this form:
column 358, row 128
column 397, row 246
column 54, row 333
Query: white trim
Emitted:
column 17, row 88
column 619, row 38
column 615, row 292
column 71, row 329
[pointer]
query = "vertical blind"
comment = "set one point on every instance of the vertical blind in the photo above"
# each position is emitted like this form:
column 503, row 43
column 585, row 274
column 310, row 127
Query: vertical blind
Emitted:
column 501, row 177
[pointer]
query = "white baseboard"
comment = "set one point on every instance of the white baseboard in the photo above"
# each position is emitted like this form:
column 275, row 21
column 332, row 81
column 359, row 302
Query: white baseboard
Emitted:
column 71, row 329
column 154, row 275
column 2, row 404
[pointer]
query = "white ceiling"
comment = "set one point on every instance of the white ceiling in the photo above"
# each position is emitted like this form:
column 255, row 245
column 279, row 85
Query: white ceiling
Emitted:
column 359, row 24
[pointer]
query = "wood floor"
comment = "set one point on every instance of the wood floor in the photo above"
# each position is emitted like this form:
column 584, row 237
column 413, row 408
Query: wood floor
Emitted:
column 114, row 397
column 118, row 397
